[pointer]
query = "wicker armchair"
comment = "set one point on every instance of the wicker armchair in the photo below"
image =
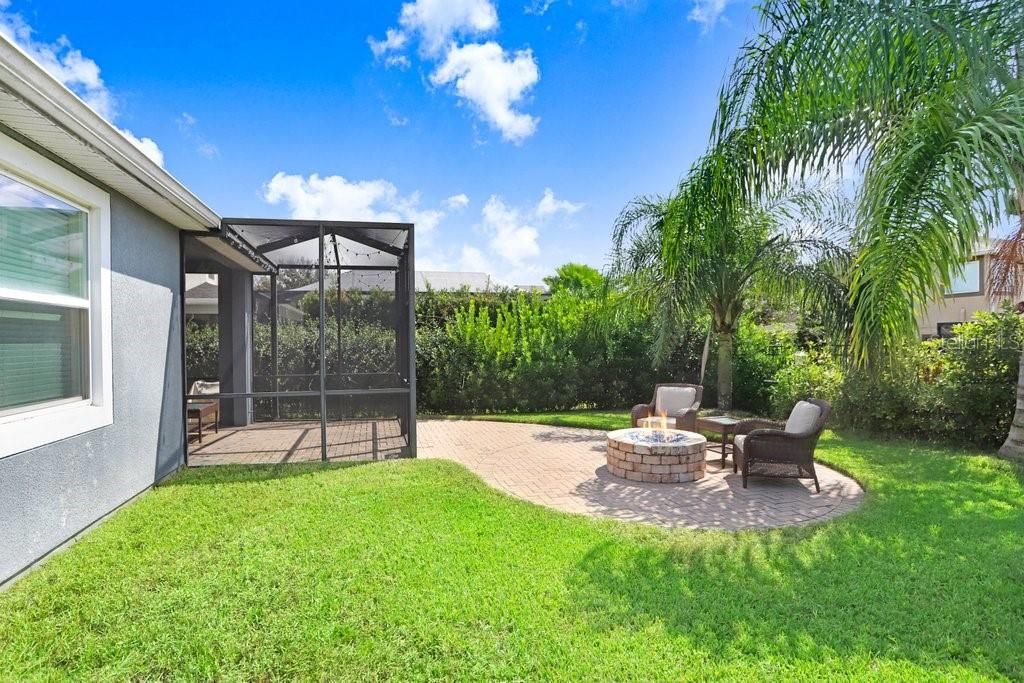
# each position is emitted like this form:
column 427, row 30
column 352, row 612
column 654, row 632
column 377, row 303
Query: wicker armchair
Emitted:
column 771, row 449
column 685, row 419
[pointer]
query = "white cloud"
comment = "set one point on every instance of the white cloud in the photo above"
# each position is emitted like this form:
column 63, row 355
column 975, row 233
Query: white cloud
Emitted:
column 394, row 118
column 65, row 63
column 538, row 7
column 146, row 145
column 457, row 201
column 485, row 76
column 473, row 260
column 68, row 65
column 208, row 150
column 337, row 198
column 397, row 61
column 426, row 220
column 707, row 13
column 430, row 262
column 439, row 21
column 512, row 238
column 393, row 40
column 581, row 32
column 513, row 233
column 187, row 125
column 549, row 205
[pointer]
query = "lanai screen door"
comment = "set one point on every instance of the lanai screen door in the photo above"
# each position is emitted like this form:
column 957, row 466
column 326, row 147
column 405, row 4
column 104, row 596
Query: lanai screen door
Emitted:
column 302, row 333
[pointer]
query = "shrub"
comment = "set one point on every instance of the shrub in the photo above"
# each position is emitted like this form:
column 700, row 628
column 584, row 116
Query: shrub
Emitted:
column 201, row 345
column 365, row 348
column 761, row 354
column 960, row 390
column 897, row 398
column 979, row 376
column 516, row 356
column 528, row 353
column 374, row 306
column 810, row 374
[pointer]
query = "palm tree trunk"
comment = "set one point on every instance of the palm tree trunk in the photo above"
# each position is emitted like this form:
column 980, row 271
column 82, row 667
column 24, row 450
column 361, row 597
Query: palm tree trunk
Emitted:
column 704, row 356
column 1013, row 447
column 725, row 349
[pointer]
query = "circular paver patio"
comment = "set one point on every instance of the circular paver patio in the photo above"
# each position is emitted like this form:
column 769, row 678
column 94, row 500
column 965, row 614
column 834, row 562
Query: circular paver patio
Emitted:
column 564, row 468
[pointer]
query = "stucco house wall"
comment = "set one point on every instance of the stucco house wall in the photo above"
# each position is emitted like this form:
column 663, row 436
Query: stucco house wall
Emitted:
column 958, row 308
column 49, row 494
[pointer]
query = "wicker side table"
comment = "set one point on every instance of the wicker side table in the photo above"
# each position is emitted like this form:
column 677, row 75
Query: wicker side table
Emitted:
column 726, row 428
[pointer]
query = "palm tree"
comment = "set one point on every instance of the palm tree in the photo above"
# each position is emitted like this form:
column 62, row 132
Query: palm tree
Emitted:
column 697, row 253
column 927, row 98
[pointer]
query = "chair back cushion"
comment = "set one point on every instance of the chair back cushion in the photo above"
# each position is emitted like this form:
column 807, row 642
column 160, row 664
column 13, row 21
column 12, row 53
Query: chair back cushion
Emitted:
column 803, row 418
column 674, row 400
column 204, row 387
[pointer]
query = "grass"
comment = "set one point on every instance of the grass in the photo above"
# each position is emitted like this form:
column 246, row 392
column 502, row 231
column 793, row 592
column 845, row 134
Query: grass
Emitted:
column 417, row 570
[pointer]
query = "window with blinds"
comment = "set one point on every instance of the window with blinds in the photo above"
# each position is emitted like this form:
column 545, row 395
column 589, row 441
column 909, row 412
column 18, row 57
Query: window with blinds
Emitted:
column 44, row 299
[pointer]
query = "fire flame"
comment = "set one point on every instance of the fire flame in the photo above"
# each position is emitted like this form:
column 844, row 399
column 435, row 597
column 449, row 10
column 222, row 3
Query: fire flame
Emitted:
column 657, row 422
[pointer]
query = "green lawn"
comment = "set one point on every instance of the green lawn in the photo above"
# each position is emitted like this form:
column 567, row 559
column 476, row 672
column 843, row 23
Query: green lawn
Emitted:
column 417, row 570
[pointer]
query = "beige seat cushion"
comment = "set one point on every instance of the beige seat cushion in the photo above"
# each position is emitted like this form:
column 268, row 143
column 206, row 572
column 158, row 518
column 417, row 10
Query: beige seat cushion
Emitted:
column 674, row 400
column 204, row 387
column 738, row 441
column 803, row 418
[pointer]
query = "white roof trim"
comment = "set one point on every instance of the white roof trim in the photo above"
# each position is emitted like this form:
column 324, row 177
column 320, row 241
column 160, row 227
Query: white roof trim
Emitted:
column 39, row 107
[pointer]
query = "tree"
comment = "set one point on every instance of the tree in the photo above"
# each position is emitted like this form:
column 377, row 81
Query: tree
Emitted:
column 927, row 98
column 698, row 252
column 576, row 278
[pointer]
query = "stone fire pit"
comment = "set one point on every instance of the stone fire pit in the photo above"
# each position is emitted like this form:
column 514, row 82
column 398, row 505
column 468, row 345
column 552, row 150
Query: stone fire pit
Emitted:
column 658, row 456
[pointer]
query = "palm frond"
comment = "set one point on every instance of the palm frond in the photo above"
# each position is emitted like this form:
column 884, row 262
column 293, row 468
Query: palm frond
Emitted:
column 925, row 95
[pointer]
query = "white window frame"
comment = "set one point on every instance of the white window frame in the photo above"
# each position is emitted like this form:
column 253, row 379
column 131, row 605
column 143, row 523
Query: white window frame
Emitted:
column 32, row 428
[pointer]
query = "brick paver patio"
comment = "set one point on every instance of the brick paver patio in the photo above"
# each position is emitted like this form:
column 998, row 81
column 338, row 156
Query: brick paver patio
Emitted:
column 565, row 469
column 271, row 443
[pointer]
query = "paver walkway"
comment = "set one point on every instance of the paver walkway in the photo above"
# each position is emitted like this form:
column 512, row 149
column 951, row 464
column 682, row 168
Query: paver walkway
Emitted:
column 564, row 468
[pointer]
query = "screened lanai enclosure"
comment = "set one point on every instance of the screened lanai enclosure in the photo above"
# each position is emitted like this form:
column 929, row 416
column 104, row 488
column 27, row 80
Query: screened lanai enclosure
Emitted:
column 299, row 342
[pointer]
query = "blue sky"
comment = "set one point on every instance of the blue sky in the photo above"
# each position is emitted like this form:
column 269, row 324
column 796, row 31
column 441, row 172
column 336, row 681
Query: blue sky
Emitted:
column 511, row 131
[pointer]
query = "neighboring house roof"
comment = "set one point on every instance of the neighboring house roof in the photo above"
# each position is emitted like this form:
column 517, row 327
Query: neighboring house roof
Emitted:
column 450, row 281
column 989, row 247
column 39, row 108
column 202, row 298
column 437, row 280
column 367, row 280
column 205, row 290
column 531, row 289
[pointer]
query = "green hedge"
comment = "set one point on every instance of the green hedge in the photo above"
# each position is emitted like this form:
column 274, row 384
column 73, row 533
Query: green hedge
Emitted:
column 490, row 352
column 525, row 353
column 201, row 346
column 960, row 390
column 507, row 352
